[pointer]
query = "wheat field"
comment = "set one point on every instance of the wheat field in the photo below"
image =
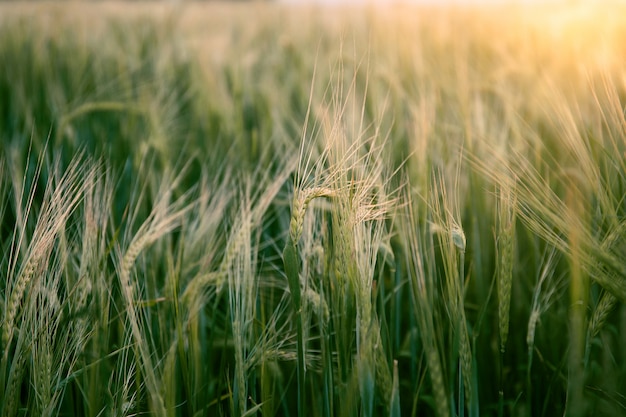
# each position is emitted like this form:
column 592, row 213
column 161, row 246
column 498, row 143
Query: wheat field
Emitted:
column 263, row 209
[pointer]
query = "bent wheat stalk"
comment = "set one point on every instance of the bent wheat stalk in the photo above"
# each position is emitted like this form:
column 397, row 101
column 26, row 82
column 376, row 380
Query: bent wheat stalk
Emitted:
column 292, row 270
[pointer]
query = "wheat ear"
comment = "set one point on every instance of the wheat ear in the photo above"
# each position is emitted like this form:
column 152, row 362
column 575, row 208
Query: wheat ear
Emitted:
column 601, row 313
column 504, row 260
column 16, row 374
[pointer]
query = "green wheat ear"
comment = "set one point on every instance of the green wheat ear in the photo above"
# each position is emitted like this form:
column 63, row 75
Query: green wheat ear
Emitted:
column 505, row 245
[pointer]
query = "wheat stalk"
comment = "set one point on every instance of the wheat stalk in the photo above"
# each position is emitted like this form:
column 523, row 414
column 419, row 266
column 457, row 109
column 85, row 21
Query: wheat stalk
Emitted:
column 164, row 217
column 422, row 290
column 544, row 294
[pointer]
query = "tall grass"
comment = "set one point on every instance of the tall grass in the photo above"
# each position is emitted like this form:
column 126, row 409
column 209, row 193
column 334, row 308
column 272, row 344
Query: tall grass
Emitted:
column 280, row 210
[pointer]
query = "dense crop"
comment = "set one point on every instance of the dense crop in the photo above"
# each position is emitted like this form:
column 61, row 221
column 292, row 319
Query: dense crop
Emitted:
column 258, row 209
